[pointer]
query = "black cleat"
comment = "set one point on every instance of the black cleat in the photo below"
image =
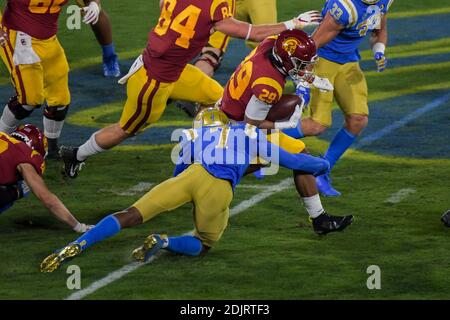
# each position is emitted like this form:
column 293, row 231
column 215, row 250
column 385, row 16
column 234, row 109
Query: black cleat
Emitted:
column 326, row 223
column 446, row 218
column 53, row 152
column 191, row 108
column 71, row 165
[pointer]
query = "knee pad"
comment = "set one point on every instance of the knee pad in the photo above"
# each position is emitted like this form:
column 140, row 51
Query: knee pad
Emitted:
column 57, row 113
column 20, row 111
column 211, row 58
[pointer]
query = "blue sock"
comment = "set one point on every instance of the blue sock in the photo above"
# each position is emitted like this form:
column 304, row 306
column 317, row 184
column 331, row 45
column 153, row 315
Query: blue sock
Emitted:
column 106, row 228
column 109, row 51
column 295, row 133
column 341, row 142
column 187, row 245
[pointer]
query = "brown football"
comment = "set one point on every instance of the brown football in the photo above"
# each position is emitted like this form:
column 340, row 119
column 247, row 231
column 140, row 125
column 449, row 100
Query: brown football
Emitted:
column 284, row 108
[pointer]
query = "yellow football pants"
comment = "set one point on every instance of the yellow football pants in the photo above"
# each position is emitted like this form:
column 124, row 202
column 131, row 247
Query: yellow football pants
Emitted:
column 251, row 11
column 211, row 198
column 147, row 98
column 350, row 91
column 43, row 81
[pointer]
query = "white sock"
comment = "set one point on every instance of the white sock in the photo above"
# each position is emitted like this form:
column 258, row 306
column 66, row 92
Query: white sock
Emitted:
column 313, row 206
column 89, row 148
column 52, row 128
column 8, row 121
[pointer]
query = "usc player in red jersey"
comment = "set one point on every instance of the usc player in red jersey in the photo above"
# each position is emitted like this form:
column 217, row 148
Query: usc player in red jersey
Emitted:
column 37, row 63
column 257, row 85
column 162, row 71
column 22, row 164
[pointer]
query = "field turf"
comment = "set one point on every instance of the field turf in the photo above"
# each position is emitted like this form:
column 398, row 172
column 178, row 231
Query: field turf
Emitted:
column 269, row 251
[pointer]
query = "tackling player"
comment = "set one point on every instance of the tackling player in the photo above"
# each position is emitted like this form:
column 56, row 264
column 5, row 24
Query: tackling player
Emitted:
column 22, row 164
column 345, row 24
column 214, row 157
column 163, row 72
column 37, row 63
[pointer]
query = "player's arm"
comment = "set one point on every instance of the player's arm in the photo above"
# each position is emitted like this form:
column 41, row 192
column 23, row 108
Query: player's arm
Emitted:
column 48, row 199
column 327, row 30
column 298, row 161
column 378, row 41
column 244, row 30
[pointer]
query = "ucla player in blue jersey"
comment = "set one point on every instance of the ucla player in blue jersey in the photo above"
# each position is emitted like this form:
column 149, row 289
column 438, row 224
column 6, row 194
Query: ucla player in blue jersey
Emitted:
column 214, row 157
column 345, row 25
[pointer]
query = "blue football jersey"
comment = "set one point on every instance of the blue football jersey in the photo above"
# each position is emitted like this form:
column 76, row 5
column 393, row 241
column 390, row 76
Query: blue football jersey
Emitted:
column 225, row 152
column 358, row 18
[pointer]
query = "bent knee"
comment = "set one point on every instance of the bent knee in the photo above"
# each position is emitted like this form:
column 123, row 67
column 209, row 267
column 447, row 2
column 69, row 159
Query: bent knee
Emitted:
column 356, row 122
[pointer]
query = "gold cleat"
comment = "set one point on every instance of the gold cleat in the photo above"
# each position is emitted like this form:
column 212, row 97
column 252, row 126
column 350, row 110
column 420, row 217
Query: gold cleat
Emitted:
column 53, row 261
column 152, row 244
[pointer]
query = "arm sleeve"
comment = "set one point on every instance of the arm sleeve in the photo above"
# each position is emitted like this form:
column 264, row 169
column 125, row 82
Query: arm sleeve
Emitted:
column 220, row 10
column 257, row 109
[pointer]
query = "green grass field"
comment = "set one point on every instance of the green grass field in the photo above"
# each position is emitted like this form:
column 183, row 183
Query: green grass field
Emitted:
column 269, row 251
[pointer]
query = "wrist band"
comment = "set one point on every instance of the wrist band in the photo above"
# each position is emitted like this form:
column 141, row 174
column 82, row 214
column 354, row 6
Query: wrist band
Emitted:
column 379, row 47
column 290, row 25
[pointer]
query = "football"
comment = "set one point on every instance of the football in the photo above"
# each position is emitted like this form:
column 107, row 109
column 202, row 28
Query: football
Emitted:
column 284, row 108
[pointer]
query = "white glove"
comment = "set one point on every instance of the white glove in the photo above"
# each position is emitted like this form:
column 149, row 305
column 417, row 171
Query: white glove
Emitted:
column 3, row 37
column 323, row 84
column 82, row 228
column 292, row 122
column 305, row 19
column 91, row 13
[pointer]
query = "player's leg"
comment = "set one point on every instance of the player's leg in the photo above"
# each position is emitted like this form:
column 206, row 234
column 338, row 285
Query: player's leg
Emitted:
column 56, row 91
column 146, row 102
column 28, row 83
column 166, row 196
column 103, row 32
column 322, row 222
column 211, row 210
column 195, row 86
column 261, row 12
column 11, row 193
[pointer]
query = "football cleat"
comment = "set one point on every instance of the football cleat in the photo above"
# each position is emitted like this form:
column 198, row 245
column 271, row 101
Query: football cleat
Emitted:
column 71, row 164
column 152, row 244
column 324, row 185
column 53, row 261
column 191, row 108
column 111, row 67
column 326, row 223
column 446, row 218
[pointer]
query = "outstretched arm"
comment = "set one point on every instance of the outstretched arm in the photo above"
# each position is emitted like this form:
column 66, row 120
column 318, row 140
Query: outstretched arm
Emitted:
column 48, row 199
column 327, row 31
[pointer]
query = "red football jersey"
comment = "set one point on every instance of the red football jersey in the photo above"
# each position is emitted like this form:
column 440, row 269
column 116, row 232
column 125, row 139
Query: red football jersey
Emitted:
column 14, row 152
column 255, row 76
column 37, row 18
column 182, row 31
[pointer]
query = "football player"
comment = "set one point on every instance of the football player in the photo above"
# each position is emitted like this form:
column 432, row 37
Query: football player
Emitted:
column 103, row 32
column 345, row 24
column 37, row 63
column 22, row 156
column 163, row 72
column 257, row 85
column 446, row 218
column 214, row 157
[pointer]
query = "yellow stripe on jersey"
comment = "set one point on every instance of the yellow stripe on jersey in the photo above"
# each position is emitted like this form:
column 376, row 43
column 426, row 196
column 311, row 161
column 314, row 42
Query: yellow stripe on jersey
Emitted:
column 269, row 82
column 214, row 6
column 389, row 4
column 352, row 12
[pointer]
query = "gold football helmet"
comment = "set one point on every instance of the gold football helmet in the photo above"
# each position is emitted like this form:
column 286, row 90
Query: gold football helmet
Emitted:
column 211, row 117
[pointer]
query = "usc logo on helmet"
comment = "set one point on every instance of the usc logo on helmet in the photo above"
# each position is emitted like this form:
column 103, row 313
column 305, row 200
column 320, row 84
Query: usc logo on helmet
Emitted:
column 290, row 45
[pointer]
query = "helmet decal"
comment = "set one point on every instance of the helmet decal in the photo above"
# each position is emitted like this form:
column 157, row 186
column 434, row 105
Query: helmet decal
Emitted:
column 290, row 45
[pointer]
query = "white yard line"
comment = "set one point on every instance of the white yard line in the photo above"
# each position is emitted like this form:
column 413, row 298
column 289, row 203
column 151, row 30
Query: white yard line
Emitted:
column 400, row 195
column 137, row 189
column 118, row 274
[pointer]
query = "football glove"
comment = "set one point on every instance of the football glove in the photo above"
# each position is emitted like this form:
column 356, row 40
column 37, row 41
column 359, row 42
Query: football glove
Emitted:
column 292, row 122
column 304, row 92
column 305, row 19
column 323, row 84
column 91, row 13
column 82, row 228
column 3, row 37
